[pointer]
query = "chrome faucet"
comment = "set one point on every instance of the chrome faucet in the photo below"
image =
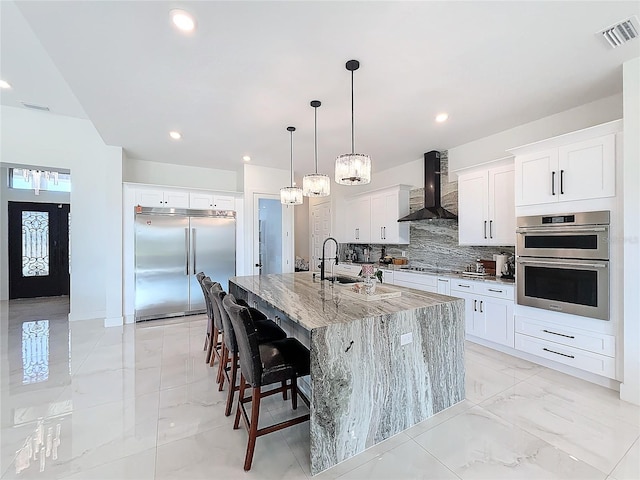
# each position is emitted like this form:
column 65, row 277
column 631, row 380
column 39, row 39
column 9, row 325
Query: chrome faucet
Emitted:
column 323, row 257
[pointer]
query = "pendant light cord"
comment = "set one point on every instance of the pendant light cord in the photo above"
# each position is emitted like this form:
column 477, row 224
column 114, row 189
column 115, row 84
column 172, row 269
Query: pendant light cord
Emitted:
column 291, row 132
column 315, row 135
column 352, row 137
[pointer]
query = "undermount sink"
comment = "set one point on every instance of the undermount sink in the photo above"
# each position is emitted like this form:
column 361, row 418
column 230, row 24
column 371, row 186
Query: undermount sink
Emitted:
column 343, row 279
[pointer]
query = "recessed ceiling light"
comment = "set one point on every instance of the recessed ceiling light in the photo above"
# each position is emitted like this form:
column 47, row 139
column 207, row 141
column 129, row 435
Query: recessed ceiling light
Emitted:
column 183, row 20
column 442, row 117
column 4, row 84
column 175, row 135
column 246, row 158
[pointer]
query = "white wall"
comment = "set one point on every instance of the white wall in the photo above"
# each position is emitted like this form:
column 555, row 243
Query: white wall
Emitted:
column 264, row 180
column 495, row 146
column 630, row 387
column 156, row 173
column 10, row 195
column 51, row 141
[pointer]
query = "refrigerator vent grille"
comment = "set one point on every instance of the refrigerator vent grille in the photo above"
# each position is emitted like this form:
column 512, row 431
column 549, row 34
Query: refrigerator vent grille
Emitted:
column 621, row 32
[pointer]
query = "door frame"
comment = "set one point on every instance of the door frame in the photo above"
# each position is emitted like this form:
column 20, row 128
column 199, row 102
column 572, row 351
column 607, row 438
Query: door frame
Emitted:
column 287, row 233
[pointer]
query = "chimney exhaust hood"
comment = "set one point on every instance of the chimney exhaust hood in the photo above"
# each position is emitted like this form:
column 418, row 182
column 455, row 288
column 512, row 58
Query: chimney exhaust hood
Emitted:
column 432, row 202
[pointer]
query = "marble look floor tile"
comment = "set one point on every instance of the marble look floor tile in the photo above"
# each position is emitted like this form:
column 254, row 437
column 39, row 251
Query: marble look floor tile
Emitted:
column 587, row 396
column 407, row 460
column 92, row 437
column 629, row 467
column 478, row 444
column 141, row 466
column 182, row 369
column 511, row 366
column 190, row 409
column 598, row 441
column 438, row 418
column 219, row 454
column 482, row 383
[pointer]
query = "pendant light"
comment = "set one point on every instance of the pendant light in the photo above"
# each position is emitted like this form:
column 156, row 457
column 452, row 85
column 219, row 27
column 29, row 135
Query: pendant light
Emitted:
column 291, row 195
column 316, row 184
column 353, row 168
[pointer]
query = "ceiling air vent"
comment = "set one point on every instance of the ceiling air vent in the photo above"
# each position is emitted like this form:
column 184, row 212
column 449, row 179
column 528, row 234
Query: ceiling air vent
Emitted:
column 33, row 106
column 621, row 32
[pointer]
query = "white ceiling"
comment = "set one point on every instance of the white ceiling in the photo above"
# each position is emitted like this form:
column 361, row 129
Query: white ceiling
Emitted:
column 251, row 68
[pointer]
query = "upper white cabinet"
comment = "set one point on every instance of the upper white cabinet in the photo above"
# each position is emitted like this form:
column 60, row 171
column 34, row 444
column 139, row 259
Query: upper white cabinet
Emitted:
column 358, row 220
column 486, row 207
column 569, row 170
column 373, row 217
column 386, row 208
column 208, row 201
column 162, row 198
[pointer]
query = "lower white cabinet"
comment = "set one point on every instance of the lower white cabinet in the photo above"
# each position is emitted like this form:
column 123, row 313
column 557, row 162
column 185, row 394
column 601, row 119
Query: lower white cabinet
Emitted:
column 444, row 286
column 590, row 351
column 419, row 281
column 488, row 310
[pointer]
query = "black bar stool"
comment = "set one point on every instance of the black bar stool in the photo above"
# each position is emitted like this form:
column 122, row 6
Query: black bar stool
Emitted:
column 261, row 365
column 267, row 331
column 217, row 332
column 210, row 344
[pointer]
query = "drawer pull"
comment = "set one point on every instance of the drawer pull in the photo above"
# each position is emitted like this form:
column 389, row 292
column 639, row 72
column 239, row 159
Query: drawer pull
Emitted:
column 559, row 334
column 558, row 353
column 464, row 286
column 494, row 290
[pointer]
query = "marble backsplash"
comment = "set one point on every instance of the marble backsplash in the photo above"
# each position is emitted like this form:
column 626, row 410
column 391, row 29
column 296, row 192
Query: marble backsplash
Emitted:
column 434, row 243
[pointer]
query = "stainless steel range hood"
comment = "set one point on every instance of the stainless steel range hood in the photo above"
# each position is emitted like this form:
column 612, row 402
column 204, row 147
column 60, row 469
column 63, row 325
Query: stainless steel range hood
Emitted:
column 432, row 202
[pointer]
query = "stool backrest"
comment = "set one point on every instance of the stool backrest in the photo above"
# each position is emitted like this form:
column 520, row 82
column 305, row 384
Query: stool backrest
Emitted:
column 226, row 300
column 247, row 339
column 212, row 292
column 201, row 277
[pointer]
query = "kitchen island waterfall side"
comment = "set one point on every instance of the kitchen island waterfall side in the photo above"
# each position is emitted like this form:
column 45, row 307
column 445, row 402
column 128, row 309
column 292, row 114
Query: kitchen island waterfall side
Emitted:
column 377, row 368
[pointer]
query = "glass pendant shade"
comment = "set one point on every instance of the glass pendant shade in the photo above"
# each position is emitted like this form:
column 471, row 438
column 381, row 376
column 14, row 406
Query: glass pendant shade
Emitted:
column 316, row 185
column 353, row 169
column 291, row 196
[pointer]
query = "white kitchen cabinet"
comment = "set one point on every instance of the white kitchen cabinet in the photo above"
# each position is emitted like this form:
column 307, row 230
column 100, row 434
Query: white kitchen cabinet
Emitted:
column 419, row 281
column 373, row 217
column 209, row 201
column 386, row 208
column 488, row 310
column 358, row 219
column 486, row 207
column 444, row 286
column 147, row 197
column 576, row 171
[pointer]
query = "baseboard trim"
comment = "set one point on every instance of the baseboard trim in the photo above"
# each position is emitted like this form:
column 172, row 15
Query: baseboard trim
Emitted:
column 113, row 322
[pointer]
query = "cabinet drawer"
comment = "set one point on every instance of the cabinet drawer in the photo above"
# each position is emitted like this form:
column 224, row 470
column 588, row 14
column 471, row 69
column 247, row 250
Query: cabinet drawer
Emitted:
column 463, row 285
column 417, row 278
column 495, row 290
column 599, row 343
column 591, row 362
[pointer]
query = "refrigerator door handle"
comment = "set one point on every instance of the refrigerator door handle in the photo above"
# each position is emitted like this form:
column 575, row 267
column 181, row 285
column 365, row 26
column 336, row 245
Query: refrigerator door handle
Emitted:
column 193, row 244
column 186, row 249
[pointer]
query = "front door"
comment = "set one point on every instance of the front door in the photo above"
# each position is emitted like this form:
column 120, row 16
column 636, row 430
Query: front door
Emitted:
column 38, row 249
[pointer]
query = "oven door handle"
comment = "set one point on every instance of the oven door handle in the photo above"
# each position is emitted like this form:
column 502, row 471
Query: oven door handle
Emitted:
column 562, row 263
column 525, row 230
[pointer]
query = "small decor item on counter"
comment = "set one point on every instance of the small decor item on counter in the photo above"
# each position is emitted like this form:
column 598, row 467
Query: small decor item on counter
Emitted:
column 479, row 266
column 400, row 261
column 369, row 282
column 501, row 260
column 379, row 275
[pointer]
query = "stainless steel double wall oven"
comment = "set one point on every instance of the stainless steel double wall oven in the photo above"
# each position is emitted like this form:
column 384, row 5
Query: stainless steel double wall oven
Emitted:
column 563, row 263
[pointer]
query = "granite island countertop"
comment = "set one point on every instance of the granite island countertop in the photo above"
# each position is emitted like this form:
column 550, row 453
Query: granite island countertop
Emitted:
column 314, row 303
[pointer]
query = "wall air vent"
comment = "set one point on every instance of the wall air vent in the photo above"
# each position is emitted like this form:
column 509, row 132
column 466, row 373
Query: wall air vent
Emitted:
column 621, row 32
column 33, row 106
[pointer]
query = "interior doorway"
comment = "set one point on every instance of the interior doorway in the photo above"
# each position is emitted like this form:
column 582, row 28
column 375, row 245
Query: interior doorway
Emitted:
column 38, row 249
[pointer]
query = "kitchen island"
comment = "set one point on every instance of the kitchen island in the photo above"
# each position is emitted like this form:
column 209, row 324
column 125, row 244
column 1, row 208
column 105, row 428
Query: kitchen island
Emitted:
column 377, row 367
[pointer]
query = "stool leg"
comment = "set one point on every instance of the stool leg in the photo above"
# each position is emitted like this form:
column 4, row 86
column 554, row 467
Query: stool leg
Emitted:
column 213, row 343
column 284, row 389
column 232, row 384
column 243, row 386
column 222, row 365
column 253, row 427
column 294, row 393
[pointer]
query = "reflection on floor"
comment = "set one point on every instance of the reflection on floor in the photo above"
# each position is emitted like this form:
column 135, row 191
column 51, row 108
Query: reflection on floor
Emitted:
column 83, row 402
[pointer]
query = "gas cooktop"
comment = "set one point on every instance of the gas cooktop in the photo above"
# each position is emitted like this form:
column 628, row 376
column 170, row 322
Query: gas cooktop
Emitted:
column 429, row 270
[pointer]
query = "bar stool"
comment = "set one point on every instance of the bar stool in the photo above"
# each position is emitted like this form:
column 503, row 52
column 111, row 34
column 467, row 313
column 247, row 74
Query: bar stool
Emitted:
column 205, row 283
column 267, row 331
column 263, row 365
column 217, row 332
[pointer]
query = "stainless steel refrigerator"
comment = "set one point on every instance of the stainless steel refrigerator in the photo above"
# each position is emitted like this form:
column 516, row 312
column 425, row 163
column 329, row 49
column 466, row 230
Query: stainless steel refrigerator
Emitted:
column 171, row 246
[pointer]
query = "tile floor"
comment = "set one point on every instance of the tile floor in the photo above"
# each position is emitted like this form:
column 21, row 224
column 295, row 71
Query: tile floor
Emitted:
column 83, row 402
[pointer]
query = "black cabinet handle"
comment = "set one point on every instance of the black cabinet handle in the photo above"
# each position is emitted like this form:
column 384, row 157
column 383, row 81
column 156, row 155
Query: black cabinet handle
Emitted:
column 490, row 228
column 474, row 305
column 481, row 306
column 559, row 334
column 561, row 182
column 464, row 286
column 553, row 183
column 497, row 291
column 558, row 353
column 485, row 229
